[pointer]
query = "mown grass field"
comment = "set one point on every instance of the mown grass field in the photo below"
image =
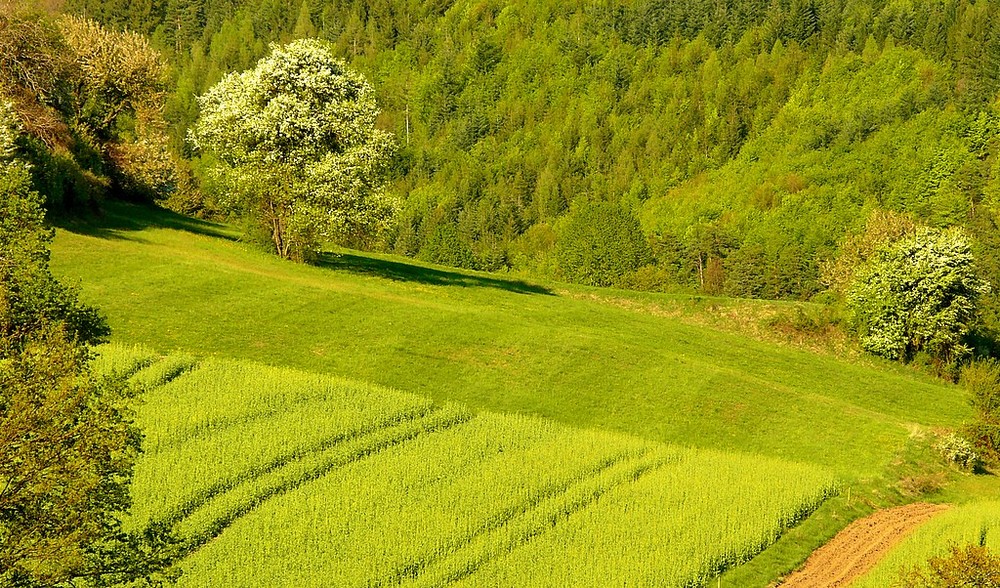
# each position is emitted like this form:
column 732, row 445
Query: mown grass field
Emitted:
column 611, row 363
column 276, row 477
column 494, row 343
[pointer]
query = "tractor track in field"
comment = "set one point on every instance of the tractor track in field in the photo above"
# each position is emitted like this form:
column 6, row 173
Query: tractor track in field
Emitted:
column 860, row 546
column 521, row 525
column 370, row 443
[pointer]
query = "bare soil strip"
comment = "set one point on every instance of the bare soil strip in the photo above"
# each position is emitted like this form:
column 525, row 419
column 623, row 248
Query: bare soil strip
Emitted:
column 856, row 549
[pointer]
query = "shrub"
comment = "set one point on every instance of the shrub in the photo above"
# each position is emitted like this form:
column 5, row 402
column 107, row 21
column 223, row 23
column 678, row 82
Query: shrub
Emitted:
column 600, row 245
column 982, row 379
column 966, row 567
column 957, row 450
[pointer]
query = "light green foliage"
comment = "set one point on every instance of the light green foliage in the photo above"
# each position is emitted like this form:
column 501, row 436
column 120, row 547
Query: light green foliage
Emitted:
column 964, row 567
column 298, row 147
column 91, row 100
column 970, row 524
column 981, row 378
column 288, row 479
column 113, row 74
column 917, row 294
column 779, row 127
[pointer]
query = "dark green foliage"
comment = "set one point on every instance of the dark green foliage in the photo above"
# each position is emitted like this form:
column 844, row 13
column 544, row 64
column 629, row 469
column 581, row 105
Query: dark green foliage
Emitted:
column 32, row 298
column 444, row 246
column 982, row 380
column 600, row 244
column 964, row 567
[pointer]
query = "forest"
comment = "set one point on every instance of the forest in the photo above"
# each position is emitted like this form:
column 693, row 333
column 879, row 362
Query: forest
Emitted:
column 725, row 147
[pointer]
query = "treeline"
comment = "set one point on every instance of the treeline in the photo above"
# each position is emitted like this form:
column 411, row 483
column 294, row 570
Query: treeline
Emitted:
column 748, row 137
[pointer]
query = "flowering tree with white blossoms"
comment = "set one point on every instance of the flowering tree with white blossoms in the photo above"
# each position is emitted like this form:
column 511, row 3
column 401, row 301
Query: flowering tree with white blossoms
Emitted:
column 918, row 294
column 297, row 148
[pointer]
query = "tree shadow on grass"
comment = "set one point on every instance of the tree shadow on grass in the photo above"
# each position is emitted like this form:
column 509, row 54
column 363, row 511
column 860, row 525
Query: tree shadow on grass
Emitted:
column 117, row 220
column 408, row 272
column 123, row 221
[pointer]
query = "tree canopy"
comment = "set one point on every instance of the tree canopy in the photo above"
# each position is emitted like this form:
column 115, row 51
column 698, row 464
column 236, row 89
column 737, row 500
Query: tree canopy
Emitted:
column 297, row 147
column 917, row 294
column 67, row 442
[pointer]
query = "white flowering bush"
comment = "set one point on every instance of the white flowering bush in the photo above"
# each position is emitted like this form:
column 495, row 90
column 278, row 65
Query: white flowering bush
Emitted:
column 917, row 294
column 298, row 149
column 958, row 450
column 9, row 130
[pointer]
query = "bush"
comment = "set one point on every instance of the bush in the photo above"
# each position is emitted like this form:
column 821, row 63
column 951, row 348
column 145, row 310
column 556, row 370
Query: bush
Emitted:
column 600, row 245
column 957, row 450
column 968, row 567
column 982, row 379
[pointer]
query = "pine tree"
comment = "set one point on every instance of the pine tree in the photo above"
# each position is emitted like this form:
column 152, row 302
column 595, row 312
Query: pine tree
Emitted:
column 304, row 27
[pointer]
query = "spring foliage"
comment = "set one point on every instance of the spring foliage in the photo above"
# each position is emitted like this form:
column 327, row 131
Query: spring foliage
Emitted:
column 67, row 444
column 776, row 127
column 601, row 245
column 297, row 147
column 981, row 378
column 90, row 99
column 972, row 565
column 918, row 294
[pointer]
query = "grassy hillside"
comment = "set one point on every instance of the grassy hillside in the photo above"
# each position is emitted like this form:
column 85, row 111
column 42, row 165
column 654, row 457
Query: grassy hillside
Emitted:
column 278, row 477
column 494, row 343
column 642, row 364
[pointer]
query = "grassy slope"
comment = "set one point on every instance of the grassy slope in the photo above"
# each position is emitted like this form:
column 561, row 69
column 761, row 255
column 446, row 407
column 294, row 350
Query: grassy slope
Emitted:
column 503, row 345
column 494, row 344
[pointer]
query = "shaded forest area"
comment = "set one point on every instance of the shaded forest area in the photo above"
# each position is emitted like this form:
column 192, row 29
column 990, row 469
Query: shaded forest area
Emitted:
column 720, row 146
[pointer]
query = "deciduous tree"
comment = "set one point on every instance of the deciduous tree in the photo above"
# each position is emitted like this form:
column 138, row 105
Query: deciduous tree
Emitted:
column 917, row 294
column 67, row 442
column 298, row 148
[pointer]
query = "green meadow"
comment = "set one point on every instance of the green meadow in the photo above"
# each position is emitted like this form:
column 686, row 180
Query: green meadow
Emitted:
column 494, row 343
column 241, row 347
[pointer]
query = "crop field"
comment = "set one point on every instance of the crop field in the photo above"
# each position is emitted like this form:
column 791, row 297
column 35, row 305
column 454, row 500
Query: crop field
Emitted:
column 976, row 523
column 272, row 476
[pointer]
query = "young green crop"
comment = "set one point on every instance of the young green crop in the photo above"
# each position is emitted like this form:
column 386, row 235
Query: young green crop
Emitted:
column 679, row 524
column 276, row 477
column 223, row 423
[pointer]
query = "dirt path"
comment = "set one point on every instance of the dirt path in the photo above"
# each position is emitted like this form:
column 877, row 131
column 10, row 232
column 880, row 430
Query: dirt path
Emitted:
column 860, row 546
